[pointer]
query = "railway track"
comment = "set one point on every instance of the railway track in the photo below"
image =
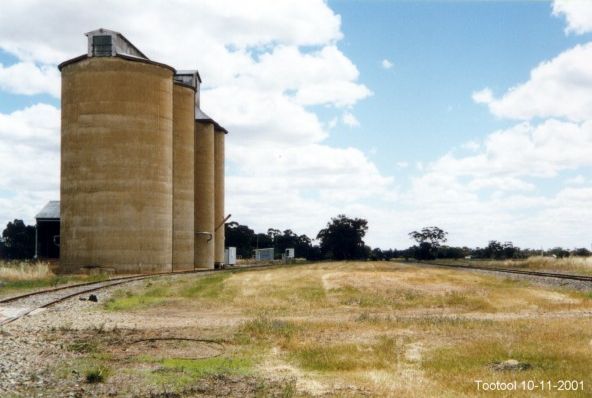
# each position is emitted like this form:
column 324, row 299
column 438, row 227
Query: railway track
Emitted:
column 25, row 304
column 557, row 275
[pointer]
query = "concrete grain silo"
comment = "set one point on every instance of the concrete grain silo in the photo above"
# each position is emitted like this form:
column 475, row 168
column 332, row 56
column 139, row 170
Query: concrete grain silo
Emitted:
column 183, row 164
column 219, row 216
column 204, row 191
column 116, row 159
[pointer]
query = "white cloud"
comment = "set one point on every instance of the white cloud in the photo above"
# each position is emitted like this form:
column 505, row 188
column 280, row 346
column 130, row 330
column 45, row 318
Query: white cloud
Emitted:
column 386, row 64
column 511, row 184
column 36, row 31
column 561, row 87
column 321, row 77
column 305, row 186
column 350, row 120
column 578, row 14
column 542, row 150
column 29, row 79
column 36, row 126
column 332, row 123
column 577, row 180
column 471, row 145
column 484, row 96
column 29, row 160
column 253, row 116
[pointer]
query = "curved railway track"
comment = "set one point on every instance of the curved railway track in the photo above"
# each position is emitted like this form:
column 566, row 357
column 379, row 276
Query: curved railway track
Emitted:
column 25, row 304
column 557, row 275
column 33, row 301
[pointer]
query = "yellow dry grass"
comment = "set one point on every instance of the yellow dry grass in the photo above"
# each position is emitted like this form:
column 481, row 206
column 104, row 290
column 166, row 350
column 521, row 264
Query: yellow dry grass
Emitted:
column 24, row 270
column 565, row 264
column 573, row 265
column 382, row 328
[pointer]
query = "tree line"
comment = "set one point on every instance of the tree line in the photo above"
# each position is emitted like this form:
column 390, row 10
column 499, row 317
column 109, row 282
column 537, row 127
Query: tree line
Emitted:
column 341, row 239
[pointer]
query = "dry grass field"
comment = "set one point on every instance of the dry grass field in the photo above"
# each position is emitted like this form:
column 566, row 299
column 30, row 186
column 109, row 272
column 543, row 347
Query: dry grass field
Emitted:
column 24, row 276
column 336, row 329
column 568, row 265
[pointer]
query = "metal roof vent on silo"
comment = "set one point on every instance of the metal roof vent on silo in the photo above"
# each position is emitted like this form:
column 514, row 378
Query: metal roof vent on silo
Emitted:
column 188, row 77
column 108, row 43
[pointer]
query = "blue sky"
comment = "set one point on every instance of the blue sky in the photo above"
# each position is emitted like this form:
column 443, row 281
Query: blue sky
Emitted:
column 475, row 116
column 442, row 52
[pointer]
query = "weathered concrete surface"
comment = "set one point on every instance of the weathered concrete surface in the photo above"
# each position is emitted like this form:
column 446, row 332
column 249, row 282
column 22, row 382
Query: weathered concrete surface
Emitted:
column 116, row 165
column 219, row 215
column 183, row 181
column 204, row 194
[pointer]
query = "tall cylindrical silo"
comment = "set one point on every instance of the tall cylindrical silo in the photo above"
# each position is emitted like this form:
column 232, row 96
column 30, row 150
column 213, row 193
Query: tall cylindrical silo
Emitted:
column 183, row 179
column 204, row 193
column 116, row 164
column 219, row 215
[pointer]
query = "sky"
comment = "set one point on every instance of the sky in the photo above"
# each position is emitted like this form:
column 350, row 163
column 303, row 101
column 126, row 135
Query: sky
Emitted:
column 475, row 116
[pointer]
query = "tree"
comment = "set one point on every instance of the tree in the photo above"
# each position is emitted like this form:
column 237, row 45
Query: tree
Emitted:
column 451, row 252
column 261, row 241
column 582, row 251
column 429, row 240
column 493, row 250
column 558, row 252
column 19, row 240
column 500, row 251
column 241, row 237
column 342, row 239
column 510, row 251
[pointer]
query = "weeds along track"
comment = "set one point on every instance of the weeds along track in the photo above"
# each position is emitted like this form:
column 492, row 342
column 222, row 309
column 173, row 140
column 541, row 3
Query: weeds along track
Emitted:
column 46, row 298
column 557, row 275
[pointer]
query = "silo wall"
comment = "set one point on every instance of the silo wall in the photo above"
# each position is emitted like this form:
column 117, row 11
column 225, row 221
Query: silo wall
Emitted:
column 219, row 215
column 116, row 165
column 204, row 194
column 183, row 189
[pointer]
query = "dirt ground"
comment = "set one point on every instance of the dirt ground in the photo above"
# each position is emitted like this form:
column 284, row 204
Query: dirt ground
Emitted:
column 327, row 329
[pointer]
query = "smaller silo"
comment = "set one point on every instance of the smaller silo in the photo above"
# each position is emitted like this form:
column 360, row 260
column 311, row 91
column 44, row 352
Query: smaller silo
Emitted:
column 183, row 181
column 219, row 136
column 204, row 191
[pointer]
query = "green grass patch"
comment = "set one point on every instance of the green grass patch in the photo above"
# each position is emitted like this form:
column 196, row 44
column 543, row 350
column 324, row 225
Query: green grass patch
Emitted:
column 126, row 300
column 210, row 287
column 83, row 346
column 182, row 372
column 96, row 374
column 264, row 328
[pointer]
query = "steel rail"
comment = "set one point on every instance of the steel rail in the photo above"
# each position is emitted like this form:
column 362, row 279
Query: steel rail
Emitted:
column 108, row 283
column 583, row 278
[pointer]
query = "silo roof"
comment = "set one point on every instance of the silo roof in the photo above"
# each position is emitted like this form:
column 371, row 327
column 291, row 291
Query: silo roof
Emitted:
column 50, row 211
column 189, row 72
column 123, row 47
column 201, row 117
column 124, row 56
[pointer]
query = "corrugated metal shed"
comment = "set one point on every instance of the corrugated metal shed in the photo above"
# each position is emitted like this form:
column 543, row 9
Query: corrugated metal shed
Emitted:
column 266, row 254
column 51, row 211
